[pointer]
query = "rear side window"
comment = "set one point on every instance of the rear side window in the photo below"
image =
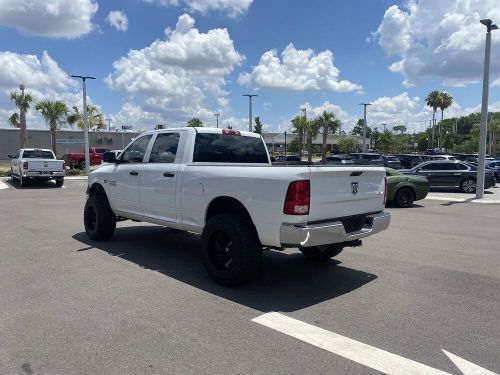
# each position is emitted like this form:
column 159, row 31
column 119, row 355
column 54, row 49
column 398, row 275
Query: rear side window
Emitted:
column 38, row 154
column 164, row 148
column 226, row 148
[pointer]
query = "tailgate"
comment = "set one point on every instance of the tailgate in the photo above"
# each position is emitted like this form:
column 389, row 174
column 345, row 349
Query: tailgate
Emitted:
column 345, row 191
column 45, row 165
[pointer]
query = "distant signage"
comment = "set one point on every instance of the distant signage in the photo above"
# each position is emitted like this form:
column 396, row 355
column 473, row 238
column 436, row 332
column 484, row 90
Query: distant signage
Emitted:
column 69, row 141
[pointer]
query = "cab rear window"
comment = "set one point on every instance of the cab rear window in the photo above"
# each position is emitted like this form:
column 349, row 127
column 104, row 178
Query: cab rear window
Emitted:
column 37, row 154
column 228, row 148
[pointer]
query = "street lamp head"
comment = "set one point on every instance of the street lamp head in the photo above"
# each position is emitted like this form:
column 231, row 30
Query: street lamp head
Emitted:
column 365, row 104
column 21, row 87
column 489, row 24
column 493, row 27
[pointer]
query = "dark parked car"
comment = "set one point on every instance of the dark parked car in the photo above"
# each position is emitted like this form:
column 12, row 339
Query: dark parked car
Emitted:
column 360, row 158
column 287, row 160
column 337, row 160
column 391, row 161
column 451, row 173
column 495, row 166
column 403, row 190
column 466, row 157
column 409, row 161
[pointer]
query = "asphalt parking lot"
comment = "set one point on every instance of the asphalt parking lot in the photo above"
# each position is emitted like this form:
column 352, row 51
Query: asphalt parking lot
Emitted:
column 143, row 304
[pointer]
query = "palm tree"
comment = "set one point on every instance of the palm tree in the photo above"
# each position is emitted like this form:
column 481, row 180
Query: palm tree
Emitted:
column 433, row 100
column 94, row 117
column 445, row 102
column 22, row 102
column 312, row 131
column 52, row 112
column 299, row 127
column 329, row 124
column 14, row 120
column 494, row 128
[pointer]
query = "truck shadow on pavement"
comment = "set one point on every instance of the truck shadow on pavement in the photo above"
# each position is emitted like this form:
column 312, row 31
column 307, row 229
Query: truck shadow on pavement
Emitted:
column 32, row 185
column 288, row 282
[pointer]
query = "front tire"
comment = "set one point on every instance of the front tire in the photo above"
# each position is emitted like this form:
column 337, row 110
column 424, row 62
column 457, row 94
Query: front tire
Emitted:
column 231, row 250
column 468, row 186
column 404, row 197
column 59, row 182
column 98, row 218
column 21, row 181
column 322, row 253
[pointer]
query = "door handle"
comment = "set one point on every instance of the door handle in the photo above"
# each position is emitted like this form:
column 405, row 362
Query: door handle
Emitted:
column 134, row 173
column 168, row 174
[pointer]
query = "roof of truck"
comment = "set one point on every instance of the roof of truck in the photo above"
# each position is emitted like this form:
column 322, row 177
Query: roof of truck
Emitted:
column 207, row 130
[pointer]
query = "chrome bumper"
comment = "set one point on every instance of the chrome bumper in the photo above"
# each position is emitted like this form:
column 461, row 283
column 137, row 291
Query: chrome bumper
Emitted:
column 293, row 235
column 38, row 174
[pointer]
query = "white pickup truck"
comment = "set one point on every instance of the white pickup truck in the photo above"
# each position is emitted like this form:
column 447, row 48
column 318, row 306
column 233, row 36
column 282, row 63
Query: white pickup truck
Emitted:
column 221, row 183
column 36, row 164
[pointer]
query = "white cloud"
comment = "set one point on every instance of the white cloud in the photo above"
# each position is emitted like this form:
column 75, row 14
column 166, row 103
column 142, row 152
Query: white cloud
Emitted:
column 441, row 39
column 233, row 8
column 49, row 18
column 496, row 83
column 178, row 78
column 42, row 78
column 118, row 20
column 297, row 70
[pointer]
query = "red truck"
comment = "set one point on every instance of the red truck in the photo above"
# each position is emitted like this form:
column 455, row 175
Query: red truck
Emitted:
column 77, row 159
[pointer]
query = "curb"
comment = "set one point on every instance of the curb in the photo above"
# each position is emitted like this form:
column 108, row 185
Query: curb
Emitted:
column 466, row 200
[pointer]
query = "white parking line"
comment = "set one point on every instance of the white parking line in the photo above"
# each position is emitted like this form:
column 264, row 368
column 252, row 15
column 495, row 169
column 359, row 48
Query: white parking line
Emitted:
column 3, row 185
column 356, row 351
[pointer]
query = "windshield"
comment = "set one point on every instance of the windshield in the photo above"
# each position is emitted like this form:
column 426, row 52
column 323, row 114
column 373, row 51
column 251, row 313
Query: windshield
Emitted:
column 37, row 154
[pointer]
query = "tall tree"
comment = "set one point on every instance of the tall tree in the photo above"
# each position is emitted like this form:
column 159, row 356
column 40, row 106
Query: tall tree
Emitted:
column 358, row 129
column 94, row 117
column 312, row 131
column 258, row 126
column 329, row 124
column 195, row 122
column 445, row 101
column 399, row 128
column 53, row 112
column 347, row 145
column 23, row 102
column 14, row 120
column 433, row 100
column 299, row 127
column 494, row 129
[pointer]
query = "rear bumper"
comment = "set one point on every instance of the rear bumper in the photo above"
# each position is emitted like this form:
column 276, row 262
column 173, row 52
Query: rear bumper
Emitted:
column 37, row 174
column 293, row 235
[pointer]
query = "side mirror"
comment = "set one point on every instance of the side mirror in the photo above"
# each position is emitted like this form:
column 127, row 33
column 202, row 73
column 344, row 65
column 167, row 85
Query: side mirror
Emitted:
column 10, row 156
column 109, row 157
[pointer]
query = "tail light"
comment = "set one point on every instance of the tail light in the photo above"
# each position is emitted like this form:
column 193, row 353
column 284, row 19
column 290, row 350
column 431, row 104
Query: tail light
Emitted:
column 25, row 165
column 385, row 189
column 230, row 132
column 297, row 198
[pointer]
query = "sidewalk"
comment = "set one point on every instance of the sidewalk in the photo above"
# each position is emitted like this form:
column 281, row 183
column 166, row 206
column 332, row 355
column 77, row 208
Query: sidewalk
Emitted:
column 491, row 196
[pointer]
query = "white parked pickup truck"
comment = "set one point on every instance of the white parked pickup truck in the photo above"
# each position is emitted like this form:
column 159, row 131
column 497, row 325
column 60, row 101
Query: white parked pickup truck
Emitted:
column 221, row 183
column 36, row 164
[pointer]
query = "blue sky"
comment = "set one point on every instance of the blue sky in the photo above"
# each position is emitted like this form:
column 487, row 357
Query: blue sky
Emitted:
column 324, row 55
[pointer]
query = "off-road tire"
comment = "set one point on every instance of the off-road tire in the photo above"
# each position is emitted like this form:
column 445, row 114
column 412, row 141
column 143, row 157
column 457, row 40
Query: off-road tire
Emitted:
column 404, row 197
column 98, row 218
column 59, row 182
column 322, row 253
column 243, row 251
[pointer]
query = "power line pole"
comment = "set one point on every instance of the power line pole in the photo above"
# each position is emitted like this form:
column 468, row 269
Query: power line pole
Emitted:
column 217, row 116
column 250, row 96
column 484, row 110
column 85, row 122
column 364, row 124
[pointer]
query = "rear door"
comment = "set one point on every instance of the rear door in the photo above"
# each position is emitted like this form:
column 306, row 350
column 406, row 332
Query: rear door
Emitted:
column 345, row 191
column 159, row 177
column 431, row 171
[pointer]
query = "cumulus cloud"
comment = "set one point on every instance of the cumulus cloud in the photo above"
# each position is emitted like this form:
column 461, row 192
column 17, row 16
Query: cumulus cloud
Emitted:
column 118, row 20
column 442, row 39
column 496, row 83
column 49, row 18
column 43, row 79
column 233, row 8
column 297, row 70
column 177, row 78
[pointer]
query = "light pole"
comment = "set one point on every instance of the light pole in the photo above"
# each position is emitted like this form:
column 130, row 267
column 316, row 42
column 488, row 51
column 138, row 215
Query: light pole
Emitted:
column 484, row 110
column 109, row 124
column 217, row 116
column 85, row 122
column 364, row 124
column 305, row 131
column 250, row 96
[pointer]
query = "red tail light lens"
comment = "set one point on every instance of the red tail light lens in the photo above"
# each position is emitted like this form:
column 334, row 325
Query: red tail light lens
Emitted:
column 25, row 165
column 297, row 198
column 230, row 132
